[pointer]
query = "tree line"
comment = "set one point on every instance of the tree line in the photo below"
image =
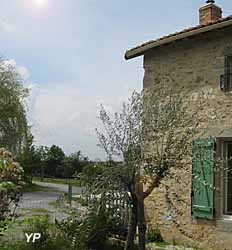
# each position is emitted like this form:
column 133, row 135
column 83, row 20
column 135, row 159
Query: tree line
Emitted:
column 52, row 162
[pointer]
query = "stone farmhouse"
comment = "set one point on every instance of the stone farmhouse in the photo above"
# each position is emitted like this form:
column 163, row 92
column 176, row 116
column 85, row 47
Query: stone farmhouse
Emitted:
column 199, row 58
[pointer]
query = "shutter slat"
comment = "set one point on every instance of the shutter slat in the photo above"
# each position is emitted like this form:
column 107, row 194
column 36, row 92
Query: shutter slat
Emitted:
column 228, row 72
column 203, row 178
column 202, row 208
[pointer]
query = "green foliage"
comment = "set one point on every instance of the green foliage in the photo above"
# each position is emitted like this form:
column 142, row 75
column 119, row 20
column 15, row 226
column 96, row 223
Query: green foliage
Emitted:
column 82, row 201
column 54, row 161
column 13, row 122
column 154, row 235
column 92, row 230
column 122, row 140
column 58, row 243
column 38, row 225
column 29, row 159
column 4, row 226
column 53, row 243
column 90, row 173
column 10, row 182
column 74, row 163
column 87, row 232
column 40, row 157
column 52, row 238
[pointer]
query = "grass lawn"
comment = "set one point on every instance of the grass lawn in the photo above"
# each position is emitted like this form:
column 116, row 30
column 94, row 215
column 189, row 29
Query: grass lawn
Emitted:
column 32, row 187
column 35, row 210
column 58, row 181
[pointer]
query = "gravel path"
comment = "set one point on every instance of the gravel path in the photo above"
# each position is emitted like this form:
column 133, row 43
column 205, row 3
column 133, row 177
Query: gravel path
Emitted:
column 43, row 202
column 170, row 247
column 60, row 187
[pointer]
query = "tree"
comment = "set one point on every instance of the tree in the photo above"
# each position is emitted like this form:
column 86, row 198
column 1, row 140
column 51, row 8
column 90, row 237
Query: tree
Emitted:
column 89, row 174
column 41, row 158
column 152, row 134
column 170, row 122
column 122, row 140
column 13, row 122
column 29, row 159
column 73, row 164
column 54, row 161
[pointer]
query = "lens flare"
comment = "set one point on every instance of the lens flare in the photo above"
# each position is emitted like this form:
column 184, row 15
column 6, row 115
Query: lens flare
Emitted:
column 40, row 2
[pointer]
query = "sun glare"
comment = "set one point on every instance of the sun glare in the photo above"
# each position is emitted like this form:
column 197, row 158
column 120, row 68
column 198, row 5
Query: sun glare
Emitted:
column 40, row 2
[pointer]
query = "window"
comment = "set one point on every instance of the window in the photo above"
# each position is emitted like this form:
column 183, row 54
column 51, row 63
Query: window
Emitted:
column 226, row 79
column 227, row 178
column 205, row 180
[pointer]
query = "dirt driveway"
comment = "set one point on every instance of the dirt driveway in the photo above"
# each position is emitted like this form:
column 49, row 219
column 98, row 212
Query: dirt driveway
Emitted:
column 46, row 201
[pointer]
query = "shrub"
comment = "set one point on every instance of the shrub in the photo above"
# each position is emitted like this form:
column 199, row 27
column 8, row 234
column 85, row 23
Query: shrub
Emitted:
column 3, row 226
column 38, row 225
column 89, row 174
column 154, row 235
column 57, row 243
column 92, row 230
column 10, row 185
column 51, row 238
column 85, row 232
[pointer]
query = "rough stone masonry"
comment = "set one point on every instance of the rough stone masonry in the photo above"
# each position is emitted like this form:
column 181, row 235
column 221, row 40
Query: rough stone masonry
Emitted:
column 196, row 59
column 197, row 64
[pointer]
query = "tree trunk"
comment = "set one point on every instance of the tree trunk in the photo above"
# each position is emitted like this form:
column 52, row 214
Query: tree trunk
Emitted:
column 141, row 225
column 42, row 173
column 132, row 227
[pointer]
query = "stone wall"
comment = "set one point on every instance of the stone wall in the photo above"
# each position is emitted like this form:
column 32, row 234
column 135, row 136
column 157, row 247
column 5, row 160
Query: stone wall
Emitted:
column 197, row 64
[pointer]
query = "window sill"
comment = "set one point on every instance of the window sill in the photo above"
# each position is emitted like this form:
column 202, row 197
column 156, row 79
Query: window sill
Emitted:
column 224, row 224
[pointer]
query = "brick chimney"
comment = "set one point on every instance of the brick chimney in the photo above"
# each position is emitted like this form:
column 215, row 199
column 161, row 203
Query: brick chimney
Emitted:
column 210, row 13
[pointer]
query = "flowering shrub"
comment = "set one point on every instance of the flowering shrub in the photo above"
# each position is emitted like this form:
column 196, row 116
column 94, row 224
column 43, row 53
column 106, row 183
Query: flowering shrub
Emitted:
column 10, row 182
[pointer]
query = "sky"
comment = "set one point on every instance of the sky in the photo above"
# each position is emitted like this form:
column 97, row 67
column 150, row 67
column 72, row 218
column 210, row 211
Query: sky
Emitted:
column 71, row 55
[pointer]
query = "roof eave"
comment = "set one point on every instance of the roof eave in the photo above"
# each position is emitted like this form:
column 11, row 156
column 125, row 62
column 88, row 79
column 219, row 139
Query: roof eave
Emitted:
column 139, row 51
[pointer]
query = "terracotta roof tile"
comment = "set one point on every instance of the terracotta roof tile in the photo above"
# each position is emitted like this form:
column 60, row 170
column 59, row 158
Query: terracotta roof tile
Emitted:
column 173, row 35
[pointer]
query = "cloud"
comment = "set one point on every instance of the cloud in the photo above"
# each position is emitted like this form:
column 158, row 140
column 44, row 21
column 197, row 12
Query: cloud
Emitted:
column 6, row 27
column 67, row 116
column 24, row 72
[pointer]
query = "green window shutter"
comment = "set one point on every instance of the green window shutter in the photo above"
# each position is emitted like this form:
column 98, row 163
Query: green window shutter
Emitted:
column 203, row 178
column 228, row 73
column 227, row 79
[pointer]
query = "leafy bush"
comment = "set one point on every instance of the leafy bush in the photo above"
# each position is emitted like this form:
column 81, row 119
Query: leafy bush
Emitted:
column 51, row 238
column 154, row 235
column 38, row 225
column 86, row 232
column 56, row 243
column 10, row 184
column 3, row 226
column 92, row 230
column 89, row 174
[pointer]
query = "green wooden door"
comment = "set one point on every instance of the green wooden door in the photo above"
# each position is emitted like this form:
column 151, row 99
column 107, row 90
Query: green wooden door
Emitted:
column 203, row 178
